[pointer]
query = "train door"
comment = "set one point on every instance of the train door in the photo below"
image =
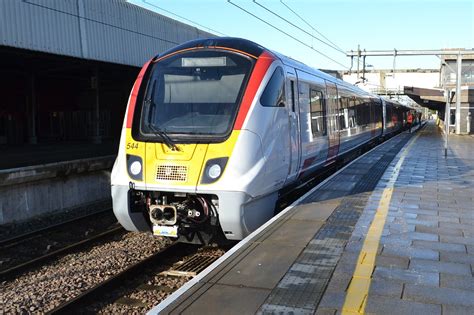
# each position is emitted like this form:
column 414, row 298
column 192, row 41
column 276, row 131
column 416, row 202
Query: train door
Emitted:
column 294, row 129
column 384, row 115
column 333, row 122
column 313, row 123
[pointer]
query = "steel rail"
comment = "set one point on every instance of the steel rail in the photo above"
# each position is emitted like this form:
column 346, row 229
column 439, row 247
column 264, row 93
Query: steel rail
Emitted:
column 14, row 271
column 5, row 243
column 77, row 304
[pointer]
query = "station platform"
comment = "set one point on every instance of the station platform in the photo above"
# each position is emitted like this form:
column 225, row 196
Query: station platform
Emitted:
column 390, row 233
column 47, row 153
column 67, row 184
column 39, row 180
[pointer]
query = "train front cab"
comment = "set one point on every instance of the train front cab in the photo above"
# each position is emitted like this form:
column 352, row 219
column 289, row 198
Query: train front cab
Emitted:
column 186, row 165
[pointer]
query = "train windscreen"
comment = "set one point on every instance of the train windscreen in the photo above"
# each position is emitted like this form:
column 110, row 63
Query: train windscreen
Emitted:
column 194, row 95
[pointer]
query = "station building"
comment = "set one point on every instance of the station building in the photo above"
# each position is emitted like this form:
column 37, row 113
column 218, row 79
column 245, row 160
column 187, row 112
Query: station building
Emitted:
column 68, row 66
column 67, row 69
column 448, row 77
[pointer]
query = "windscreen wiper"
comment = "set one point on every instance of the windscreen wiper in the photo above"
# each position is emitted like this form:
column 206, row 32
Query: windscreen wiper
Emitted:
column 156, row 130
column 163, row 135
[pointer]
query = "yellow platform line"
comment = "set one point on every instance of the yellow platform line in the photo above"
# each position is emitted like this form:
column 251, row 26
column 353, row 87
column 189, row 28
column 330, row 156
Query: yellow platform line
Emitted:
column 356, row 295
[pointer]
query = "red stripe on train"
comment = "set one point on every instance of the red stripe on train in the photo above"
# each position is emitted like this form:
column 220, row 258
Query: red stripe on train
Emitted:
column 306, row 164
column 133, row 97
column 261, row 67
column 333, row 149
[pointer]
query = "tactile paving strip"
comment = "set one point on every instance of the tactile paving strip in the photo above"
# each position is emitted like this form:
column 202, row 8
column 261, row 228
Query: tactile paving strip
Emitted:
column 302, row 287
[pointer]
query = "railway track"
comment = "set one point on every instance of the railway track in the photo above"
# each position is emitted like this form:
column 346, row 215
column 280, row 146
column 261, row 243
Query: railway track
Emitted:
column 179, row 261
column 11, row 241
column 34, row 248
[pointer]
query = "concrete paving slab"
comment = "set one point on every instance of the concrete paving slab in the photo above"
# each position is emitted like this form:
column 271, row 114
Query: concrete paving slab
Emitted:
column 410, row 252
column 263, row 267
column 465, row 226
column 457, row 310
column 295, row 232
column 457, row 282
column 440, row 267
column 325, row 311
column 315, row 212
column 457, row 239
column 384, row 305
column 453, row 219
column 224, row 299
column 438, row 246
column 439, row 231
column 382, row 287
column 407, row 276
column 333, row 300
column 464, row 258
column 339, row 282
column 446, row 296
column 392, row 262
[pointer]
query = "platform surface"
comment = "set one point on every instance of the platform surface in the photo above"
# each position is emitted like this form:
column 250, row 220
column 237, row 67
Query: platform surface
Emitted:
column 390, row 233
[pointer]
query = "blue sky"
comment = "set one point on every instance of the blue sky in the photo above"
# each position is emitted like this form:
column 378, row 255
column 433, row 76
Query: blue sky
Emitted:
column 375, row 25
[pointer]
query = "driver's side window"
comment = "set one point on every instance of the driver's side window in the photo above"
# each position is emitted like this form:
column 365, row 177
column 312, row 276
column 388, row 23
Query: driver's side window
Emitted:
column 274, row 93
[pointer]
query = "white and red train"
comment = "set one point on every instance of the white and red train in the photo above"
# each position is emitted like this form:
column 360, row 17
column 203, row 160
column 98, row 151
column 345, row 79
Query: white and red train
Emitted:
column 216, row 128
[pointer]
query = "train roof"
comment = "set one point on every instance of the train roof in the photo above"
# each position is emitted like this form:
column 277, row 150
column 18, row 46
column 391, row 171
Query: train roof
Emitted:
column 256, row 50
column 228, row 42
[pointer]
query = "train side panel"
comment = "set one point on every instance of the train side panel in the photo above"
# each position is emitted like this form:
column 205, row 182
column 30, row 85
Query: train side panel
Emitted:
column 268, row 119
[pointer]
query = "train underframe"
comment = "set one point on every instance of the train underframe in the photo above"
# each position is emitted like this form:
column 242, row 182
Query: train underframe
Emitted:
column 191, row 218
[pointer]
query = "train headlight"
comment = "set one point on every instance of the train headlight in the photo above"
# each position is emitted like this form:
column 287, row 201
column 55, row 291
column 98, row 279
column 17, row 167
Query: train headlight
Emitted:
column 134, row 167
column 213, row 170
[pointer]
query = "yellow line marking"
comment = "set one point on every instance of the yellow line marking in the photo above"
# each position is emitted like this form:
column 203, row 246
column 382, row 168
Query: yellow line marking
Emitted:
column 357, row 293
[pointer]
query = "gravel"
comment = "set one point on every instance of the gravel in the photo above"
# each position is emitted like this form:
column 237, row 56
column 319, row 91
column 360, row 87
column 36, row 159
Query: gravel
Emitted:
column 154, row 289
column 43, row 243
column 147, row 298
column 43, row 289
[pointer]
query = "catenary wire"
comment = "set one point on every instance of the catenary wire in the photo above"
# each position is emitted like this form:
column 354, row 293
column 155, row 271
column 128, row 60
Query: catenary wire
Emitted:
column 306, row 22
column 299, row 28
column 291, row 36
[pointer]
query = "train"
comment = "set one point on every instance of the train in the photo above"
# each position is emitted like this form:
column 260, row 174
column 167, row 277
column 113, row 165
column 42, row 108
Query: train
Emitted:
column 216, row 128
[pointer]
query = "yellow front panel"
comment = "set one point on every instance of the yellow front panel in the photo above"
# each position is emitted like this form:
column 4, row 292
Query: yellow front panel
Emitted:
column 164, row 166
column 174, row 168
column 224, row 149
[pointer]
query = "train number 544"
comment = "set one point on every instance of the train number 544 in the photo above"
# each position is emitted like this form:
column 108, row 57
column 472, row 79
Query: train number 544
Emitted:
column 132, row 145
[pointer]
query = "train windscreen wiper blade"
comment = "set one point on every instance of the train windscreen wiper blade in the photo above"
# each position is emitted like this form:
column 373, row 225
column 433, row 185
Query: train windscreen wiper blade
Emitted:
column 150, row 104
column 163, row 135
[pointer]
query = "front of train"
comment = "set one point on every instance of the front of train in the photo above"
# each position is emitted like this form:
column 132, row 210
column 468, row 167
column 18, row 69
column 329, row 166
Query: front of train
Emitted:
column 185, row 163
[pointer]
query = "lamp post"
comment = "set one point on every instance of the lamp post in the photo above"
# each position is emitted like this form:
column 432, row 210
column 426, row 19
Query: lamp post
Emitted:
column 447, row 112
column 458, row 93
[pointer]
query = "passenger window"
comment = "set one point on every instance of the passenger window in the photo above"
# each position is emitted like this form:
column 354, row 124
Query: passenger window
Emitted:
column 318, row 113
column 274, row 93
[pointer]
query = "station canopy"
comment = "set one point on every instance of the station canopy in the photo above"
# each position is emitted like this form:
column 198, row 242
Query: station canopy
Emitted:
column 433, row 99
